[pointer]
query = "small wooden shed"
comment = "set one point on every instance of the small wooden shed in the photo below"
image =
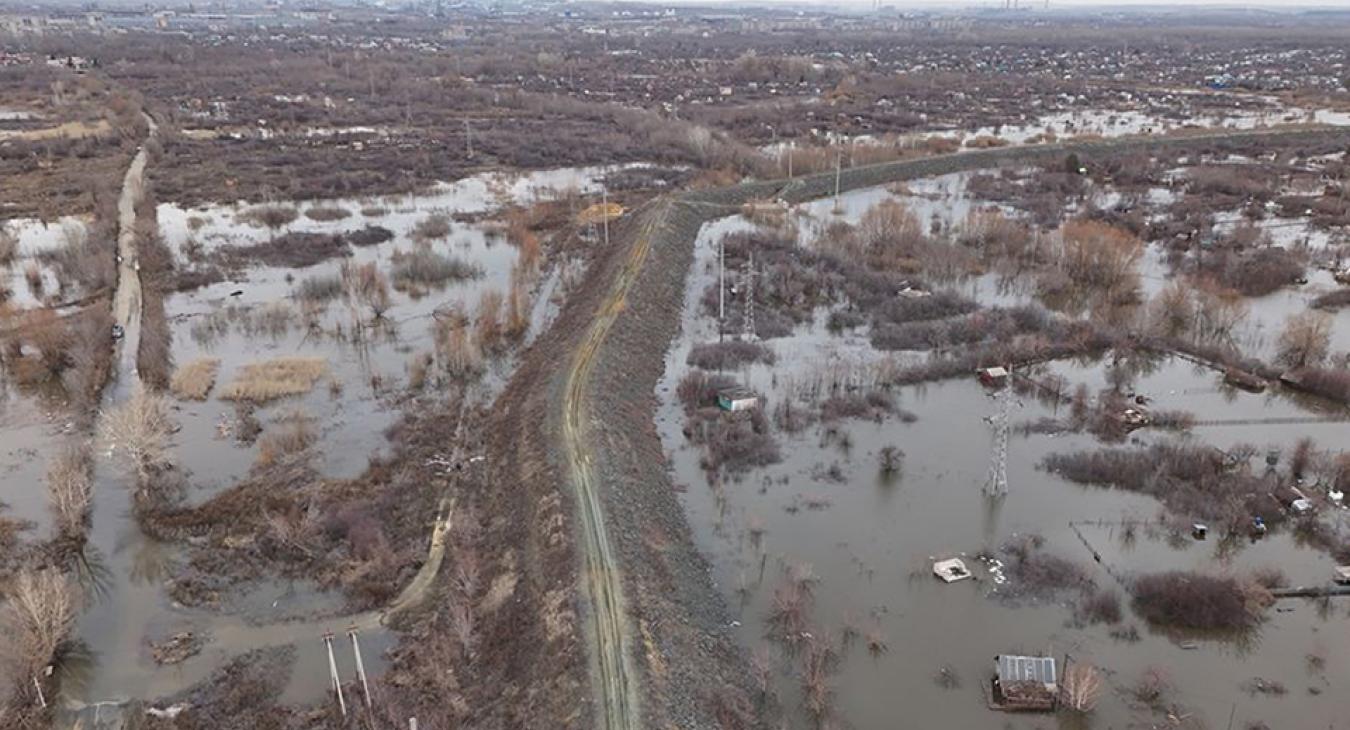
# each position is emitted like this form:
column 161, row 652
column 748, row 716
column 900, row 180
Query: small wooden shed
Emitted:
column 737, row 399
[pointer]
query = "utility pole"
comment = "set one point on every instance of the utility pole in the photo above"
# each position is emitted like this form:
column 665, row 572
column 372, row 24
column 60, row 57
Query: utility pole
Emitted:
column 41, row 699
column 838, row 170
column 721, row 285
column 333, row 672
column 748, row 320
column 468, row 138
column 604, row 211
column 360, row 666
column 791, row 145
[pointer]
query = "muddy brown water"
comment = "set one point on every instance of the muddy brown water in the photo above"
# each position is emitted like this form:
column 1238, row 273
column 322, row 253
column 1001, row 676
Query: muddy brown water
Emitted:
column 126, row 572
column 872, row 540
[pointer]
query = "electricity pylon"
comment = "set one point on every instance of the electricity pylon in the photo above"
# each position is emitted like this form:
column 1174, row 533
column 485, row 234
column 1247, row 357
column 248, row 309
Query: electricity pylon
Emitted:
column 996, row 484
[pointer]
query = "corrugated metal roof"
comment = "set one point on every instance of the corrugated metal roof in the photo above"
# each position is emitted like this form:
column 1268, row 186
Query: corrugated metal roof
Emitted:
column 1026, row 668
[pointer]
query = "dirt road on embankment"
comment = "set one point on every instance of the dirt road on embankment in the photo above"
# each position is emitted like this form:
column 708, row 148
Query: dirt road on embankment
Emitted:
column 614, row 598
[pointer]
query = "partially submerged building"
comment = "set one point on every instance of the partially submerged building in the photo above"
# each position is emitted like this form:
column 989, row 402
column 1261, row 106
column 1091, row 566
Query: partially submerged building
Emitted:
column 737, row 399
column 994, row 377
column 1024, row 683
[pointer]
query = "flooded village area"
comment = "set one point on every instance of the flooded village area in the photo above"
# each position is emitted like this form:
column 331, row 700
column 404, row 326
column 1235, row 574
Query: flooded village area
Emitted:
column 927, row 376
column 337, row 384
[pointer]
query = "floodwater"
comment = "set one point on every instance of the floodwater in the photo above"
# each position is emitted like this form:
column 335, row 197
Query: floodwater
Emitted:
column 871, row 540
column 1264, row 112
column 239, row 322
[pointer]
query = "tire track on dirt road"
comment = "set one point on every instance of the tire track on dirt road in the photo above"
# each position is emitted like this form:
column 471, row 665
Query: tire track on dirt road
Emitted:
column 609, row 632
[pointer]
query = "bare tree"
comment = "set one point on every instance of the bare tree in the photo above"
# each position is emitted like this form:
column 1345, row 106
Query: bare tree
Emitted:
column 68, row 488
column 1305, row 341
column 38, row 616
column 367, row 287
column 1081, row 688
column 137, row 431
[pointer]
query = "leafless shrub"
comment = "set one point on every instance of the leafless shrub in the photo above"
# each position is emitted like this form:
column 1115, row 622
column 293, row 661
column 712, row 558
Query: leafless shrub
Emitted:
column 1034, row 572
column 137, row 431
column 1172, row 313
column 488, row 320
column 1218, row 310
column 368, row 236
column 47, row 333
column 872, row 406
column 818, row 667
column 729, row 355
column 789, row 612
column 876, row 641
column 461, row 357
column 1190, row 479
column 418, row 369
column 996, row 236
column 1153, row 686
column 1095, row 267
column 435, row 225
column 1332, row 300
column 518, row 305
column 366, row 287
column 194, row 380
column 69, row 487
column 732, row 442
column 1080, row 687
column 761, row 672
column 87, row 256
column 319, row 288
column 293, row 433
column 271, row 217
column 1305, row 340
column 327, row 213
column 1332, row 383
column 1099, row 606
column 37, row 618
column 9, row 244
column 424, row 267
column 699, row 389
column 1255, row 273
column 1199, row 601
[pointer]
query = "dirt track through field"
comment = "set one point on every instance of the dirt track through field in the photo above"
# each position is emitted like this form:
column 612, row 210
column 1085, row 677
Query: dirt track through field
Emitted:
column 609, row 632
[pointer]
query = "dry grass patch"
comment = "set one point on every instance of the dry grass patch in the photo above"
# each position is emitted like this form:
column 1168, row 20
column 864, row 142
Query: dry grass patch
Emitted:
column 279, row 378
column 195, row 380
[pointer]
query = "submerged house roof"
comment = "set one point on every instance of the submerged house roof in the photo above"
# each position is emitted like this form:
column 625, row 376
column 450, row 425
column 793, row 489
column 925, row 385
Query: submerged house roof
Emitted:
column 1039, row 669
column 1025, row 683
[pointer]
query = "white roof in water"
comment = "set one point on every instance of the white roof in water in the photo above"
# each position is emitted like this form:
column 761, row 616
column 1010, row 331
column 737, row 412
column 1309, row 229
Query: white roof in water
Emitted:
column 951, row 570
column 1039, row 669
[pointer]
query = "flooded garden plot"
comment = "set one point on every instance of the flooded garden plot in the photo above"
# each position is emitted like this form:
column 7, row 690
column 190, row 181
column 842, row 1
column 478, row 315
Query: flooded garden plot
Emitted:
column 853, row 445
column 303, row 339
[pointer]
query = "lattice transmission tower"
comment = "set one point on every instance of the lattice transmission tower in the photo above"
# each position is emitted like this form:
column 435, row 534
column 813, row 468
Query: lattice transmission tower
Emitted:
column 996, row 484
column 748, row 320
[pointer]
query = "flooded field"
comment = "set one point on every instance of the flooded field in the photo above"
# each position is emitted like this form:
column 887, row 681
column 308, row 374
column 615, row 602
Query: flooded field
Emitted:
column 859, row 538
column 367, row 369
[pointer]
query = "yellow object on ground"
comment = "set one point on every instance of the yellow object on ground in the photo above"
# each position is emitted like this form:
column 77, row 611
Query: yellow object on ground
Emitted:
column 599, row 213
